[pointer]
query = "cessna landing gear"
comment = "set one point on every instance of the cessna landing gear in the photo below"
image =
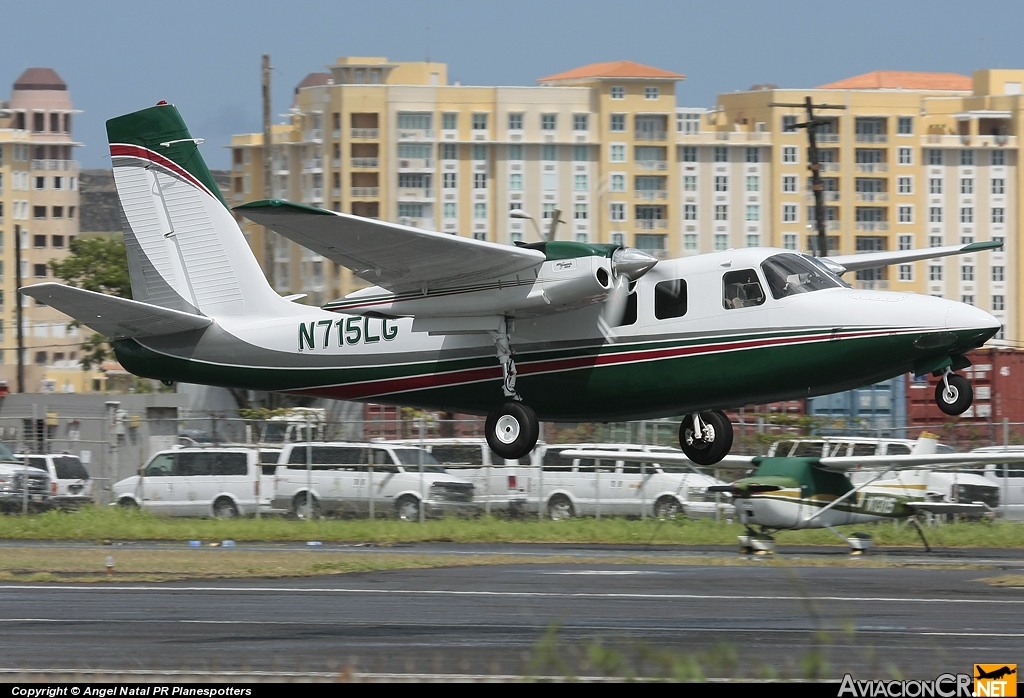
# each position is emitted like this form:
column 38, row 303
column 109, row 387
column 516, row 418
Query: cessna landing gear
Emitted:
column 512, row 430
column 953, row 394
column 705, row 437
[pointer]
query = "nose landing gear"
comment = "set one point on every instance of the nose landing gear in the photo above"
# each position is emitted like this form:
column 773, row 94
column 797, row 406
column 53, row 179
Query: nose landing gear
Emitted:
column 953, row 394
column 706, row 437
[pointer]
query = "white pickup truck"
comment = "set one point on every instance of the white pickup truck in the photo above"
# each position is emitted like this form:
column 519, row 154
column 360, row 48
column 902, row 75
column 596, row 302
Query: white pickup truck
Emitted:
column 13, row 477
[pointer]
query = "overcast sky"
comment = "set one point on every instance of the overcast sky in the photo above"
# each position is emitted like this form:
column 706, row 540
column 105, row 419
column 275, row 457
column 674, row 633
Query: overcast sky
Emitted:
column 119, row 56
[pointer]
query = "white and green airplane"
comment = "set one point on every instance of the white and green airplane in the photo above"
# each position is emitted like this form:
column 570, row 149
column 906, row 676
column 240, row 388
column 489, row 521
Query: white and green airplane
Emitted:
column 553, row 330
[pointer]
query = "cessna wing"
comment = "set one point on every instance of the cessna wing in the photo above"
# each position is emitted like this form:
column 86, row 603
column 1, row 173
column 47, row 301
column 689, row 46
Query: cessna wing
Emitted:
column 729, row 462
column 117, row 318
column 871, row 260
column 950, row 507
column 395, row 257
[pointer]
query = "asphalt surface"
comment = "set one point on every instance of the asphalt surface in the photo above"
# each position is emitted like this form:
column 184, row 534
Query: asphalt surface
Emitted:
column 535, row 619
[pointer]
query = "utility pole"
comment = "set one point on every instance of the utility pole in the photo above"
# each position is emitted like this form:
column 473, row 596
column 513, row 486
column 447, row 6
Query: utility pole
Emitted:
column 268, row 190
column 19, row 309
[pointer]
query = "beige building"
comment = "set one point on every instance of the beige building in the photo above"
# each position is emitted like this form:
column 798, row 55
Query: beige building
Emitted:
column 38, row 199
column 911, row 160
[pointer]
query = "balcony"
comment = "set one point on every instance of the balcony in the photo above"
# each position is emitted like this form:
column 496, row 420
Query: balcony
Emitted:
column 871, row 226
column 366, row 133
column 826, row 196
column 337, row 192
column 650, row 194
column 990, row 141
column 360, row 163
column 416, row 134
column 336, row 163
column 313, row 165
column 652, row 165
column 829, row 166
column 651, row 223
column 829, row 225
column 314, row 135
column 315, row 194
column 871, row 138
column 365, row 192
column 650, row 136
column 416, row 164
column 872, row 167
column 826, row 137
column 417, row 194
column 55, row 165
column 868, row 196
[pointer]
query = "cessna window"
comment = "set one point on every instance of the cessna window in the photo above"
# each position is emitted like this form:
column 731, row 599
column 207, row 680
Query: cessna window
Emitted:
column 741, row 289
column 670, row 299
column 789, row 274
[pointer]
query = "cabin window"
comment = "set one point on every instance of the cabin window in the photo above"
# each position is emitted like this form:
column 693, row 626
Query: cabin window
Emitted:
column 742, row 289
column 863, row 450
column 789, row 274
column 670, row 299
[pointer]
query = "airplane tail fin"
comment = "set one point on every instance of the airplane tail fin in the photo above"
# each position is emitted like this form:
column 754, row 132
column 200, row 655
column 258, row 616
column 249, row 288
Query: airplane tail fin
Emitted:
column 185, row 249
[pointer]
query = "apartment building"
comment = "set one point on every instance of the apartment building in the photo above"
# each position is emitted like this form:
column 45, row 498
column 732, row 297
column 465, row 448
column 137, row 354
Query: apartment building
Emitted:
column 39, row 198
column 910, row 160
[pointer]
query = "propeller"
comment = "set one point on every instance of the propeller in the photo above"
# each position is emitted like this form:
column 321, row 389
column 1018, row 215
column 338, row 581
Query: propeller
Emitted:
column 628, row 265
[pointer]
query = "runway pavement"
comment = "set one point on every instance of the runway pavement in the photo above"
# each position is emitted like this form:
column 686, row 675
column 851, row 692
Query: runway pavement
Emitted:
column 529, row 619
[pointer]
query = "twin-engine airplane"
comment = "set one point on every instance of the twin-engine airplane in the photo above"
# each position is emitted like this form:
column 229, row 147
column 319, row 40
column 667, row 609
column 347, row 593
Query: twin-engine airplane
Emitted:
column 795, row 493
column 554, row 330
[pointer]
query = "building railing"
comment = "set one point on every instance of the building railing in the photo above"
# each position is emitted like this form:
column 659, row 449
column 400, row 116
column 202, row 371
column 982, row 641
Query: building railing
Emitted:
column 415, row 134
column 365, row 162
column 871, row 138
column 872, row 167
column 651, row 223
column 871, row 226
column 829, row 167
column 415, row 193
column 651, row 165
column 316, row 194
column 650, row 194
column 54, row 165
column 415, row 163
column 650, row 135
column 872, row 196
column 826, row 137
column 366, row 133
column 365, row 191
column 314, row 134
column 826, row 196
column 313, row 164
column 829, row 225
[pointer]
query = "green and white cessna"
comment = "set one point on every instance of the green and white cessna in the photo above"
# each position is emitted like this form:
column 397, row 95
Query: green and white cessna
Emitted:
column 552, row 330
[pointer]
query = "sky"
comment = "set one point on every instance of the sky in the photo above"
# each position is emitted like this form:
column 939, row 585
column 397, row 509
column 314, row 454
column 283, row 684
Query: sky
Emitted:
column 118, row 56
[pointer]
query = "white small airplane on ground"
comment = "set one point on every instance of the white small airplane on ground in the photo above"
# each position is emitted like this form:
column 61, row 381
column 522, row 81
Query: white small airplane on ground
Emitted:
column 554, row 330
column 795, row 493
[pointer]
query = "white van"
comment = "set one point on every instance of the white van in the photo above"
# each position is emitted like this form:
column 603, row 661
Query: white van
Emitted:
column 217, row 482
column 70, row 484
column 1009, row 479
column 587, row 487
column 357, row 478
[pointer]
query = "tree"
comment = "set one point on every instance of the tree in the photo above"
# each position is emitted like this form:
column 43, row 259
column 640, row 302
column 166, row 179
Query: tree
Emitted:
column 95, row 264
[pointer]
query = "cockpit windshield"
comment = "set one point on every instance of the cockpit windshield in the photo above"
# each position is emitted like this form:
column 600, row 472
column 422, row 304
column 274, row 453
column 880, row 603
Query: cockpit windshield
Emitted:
column 789, row 274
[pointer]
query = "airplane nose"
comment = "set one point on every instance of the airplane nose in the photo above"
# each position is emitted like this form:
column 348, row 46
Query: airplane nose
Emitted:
column 961, row 316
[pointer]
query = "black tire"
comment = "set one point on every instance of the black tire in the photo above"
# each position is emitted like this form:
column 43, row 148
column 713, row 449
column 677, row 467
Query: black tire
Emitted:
column 224, row 508
column 667, row 508
column 127, row 503
column 407, row 508
column 299, row 507
column 706, row 452
column 512, row 430
column 959, row 397
column 560, row 508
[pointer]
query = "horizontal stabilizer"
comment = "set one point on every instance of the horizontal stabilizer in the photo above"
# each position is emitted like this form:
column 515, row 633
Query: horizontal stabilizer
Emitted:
column 872, row 260
column 117, row 318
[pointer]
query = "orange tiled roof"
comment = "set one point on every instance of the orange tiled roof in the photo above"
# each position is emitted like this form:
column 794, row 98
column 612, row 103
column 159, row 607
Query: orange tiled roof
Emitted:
column 903, row 80
column 614, row 69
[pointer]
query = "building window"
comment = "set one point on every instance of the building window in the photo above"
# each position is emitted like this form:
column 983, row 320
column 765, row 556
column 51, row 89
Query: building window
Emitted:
column 967, row 185
column 581, row 212
column 935, row 272
column 690, row 242
column 789, row 184
column 906, row 185
column 58, row 241
column 934, row 241
column 935, row 157
column 548, row 122
column 934, row 186
column 479, row 211
column 721, row 153
column 789, row 241
column 580, row 122
column 905, row 242
column 967, row 273
column 450, row 151
column 448, row 180
column 905, row 156
column 997, row 215
column 968, row 300
column 39, row 241
column 39, row 183
column 967, row 214
column 789, row 124
column 449, row 210
column 515, row 121
column 721, row 241
column 580, row 153
column 753, row 212
column 39, row 212
column 688, row 124
column 753, row 183
column 618, row 92
column 39, row 270
column 450, row 121
column 618, row 123
column 618, row 182
column 410, row 210
column 580, row 183
column 650, row 93
column 753, row 241
column 515, row 182
column 998, row 186
column 58, row 211
column 480, row 121
column 690, row 212
column 618, row 153
column 998, row 273
column 689, row 153
column 689, row 183
column 789, row 155
column 966, row 158
column 479, row 180
column 998, row 158
column 721, row 183
column 905, row 126
column 480, row 153
column 789, row 213
column 906, row 214
column 753, row 155
column 998, row 302
column 617, row 212
column 721, row 212
column 906, row 272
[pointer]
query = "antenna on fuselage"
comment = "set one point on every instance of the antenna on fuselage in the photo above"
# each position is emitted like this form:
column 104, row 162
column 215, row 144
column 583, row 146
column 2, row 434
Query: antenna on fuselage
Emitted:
column 813, row 164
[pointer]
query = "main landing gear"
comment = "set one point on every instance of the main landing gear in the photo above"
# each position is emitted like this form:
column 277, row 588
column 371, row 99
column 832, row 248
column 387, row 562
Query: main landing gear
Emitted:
column 512, row 428
column 953, row 394
column 706, row 437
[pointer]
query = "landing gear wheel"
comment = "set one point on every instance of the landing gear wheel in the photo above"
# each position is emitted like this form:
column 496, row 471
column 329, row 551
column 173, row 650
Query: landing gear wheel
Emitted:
column 957, row 397
column 712, row 443
column 512, row 430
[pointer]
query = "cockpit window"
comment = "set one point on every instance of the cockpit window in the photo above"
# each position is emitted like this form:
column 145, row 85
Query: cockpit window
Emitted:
column 741, row 289
column 789, row 274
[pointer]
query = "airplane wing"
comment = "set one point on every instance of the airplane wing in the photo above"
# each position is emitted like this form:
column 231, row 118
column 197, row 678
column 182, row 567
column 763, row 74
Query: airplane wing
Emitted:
column 925, row 460
column 117, row 318
column 950, row 507
column 871, row 260
column 396, row 257
column 727, row 463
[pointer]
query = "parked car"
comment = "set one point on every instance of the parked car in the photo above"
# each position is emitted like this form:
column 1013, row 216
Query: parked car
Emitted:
column 210, row 482
column 1008, row 479
column 20, row 486
column 70, row 484
column 355, row 478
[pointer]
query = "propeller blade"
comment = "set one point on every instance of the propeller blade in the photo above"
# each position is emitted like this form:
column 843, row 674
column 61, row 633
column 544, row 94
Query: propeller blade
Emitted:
column 615, row 304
